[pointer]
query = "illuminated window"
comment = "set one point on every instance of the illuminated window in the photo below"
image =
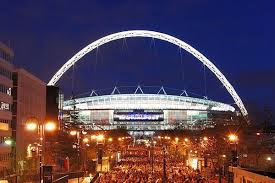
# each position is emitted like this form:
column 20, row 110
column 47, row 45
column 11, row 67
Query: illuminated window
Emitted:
column 5, row 89
column 5, row 106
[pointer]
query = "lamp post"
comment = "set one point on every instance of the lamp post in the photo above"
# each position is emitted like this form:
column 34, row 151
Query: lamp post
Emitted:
column 153, row 151
column 233, row 140
column 268, row 159
column 10, row 142
column 164, row 165
column 77, row 134
column 33, row 125
column 176, row 145
column 100, row 142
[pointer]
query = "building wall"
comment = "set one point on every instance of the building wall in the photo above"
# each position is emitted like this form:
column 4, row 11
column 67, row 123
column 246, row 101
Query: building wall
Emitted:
column 6, row 67
column 244, row 176
column 29, row 102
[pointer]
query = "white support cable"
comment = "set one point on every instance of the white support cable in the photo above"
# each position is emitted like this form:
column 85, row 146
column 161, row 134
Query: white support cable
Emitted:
column 93, row 93
column 185, row 93
column 138, row 89
column 162, row 90
column 114, row 91
column 156, row 35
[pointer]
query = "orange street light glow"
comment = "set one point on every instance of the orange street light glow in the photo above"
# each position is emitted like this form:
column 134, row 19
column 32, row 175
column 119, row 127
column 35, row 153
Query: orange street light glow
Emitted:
column 50, row 126
column 93, row 137
column 85, row 140
column 205, row 138
column 100, row 137
column 31, row 126
column 232, row 137
column 73, row 132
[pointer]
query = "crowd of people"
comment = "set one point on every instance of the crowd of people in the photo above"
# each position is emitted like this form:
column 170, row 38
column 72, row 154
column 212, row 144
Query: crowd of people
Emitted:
column 139, row 165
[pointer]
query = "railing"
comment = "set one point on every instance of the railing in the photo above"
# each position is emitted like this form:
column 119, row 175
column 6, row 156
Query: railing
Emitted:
column 64, row 177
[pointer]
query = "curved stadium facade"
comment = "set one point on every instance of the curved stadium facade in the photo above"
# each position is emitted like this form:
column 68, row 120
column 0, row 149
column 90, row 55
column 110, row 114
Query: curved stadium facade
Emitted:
column 145, row 112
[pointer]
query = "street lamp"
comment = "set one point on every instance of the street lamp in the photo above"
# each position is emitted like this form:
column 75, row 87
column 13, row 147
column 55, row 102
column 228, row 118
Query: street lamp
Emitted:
column 85, row 140
column 100, row 137
column 50, row 126
column 93, row 137
column 8, row 141
column 73, row 133
column 164, row 165
column 233, row 139
column 77, row 134
column 33, row 125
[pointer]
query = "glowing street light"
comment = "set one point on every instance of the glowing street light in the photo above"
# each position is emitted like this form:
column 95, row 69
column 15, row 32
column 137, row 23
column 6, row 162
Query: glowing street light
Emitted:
column 110, row 139
column 186, row 139
column 233, row 138
column 100, row 137
column 205, row 138
column 85, row 140
column 8, row 141
column 73, row 132
column 50, row 126
column 31, row 126
column 176, row 139
column 268, row 158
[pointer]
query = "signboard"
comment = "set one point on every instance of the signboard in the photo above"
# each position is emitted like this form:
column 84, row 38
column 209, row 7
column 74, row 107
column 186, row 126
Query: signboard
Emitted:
column 139, row 115
column 47, row 174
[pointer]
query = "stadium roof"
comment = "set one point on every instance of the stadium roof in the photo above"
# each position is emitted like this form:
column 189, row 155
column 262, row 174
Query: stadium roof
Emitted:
column 145, row 101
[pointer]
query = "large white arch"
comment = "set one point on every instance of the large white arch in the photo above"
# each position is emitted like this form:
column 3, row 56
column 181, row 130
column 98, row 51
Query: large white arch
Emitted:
column 156, row 35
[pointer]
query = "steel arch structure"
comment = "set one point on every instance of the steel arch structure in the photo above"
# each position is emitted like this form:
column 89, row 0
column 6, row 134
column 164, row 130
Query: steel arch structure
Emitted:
column 155, row 35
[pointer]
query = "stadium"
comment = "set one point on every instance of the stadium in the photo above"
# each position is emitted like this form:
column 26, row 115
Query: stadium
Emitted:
column 141, row 111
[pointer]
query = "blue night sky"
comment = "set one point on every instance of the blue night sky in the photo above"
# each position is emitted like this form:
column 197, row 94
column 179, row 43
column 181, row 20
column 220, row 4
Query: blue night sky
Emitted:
column 237, row 36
